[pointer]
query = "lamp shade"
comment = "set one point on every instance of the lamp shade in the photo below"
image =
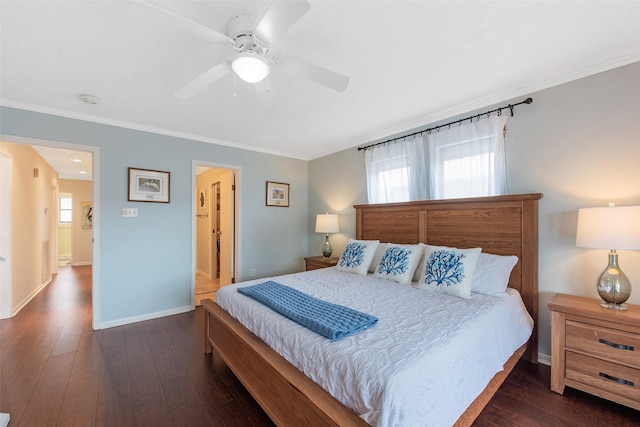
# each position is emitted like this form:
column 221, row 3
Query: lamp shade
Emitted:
column 609, row 228
column 327, row 223
column 250, row 67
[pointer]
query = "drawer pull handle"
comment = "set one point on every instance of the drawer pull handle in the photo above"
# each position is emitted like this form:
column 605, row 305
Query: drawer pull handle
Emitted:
column 618, row 380
column 618, row 346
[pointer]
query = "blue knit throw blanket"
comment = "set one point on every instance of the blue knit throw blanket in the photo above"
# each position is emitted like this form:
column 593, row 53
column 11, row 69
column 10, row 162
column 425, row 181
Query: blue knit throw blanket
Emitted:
column 327, row 319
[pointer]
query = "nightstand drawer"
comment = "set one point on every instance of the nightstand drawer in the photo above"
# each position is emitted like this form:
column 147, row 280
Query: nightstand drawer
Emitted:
column 617, row 379
column 316, row 262
column 610, row 344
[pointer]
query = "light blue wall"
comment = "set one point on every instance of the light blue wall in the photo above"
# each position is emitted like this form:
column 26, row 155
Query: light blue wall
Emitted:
column 336, row 183
column 578, row 143
column 146, row 262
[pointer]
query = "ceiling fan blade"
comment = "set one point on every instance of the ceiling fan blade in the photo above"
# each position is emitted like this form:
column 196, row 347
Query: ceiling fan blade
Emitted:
column 279, row 17
column 203, row 80
column 313, row 73
column 266, row 96
column 170, row 19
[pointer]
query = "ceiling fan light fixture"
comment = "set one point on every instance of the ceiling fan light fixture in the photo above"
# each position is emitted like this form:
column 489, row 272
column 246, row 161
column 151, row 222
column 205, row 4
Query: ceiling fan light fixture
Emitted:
column 250, row 67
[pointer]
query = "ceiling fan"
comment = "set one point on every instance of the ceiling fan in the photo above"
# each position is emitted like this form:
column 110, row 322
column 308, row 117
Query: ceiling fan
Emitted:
column 251, row 39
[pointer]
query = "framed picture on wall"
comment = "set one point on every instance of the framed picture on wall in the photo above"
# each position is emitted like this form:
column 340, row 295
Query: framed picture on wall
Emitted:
column 146, row 185
column 87, row 214
column 202, row 200
column 277, row 194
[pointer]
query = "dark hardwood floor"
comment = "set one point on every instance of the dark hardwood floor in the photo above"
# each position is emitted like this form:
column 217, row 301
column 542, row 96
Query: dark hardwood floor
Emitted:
column 56, row 371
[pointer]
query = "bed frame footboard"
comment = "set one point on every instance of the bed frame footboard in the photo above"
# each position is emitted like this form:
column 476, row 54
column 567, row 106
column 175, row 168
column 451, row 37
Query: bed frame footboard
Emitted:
column 285, row 393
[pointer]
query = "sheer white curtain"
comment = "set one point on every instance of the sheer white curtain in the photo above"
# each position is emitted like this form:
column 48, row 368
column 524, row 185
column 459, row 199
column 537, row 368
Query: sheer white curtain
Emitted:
column 396, row 171
column 468, row 160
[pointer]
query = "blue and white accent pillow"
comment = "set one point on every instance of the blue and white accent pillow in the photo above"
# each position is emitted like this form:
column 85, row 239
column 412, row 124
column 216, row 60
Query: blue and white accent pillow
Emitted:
column 399, row 262
column 357, row 256
column 448, row 270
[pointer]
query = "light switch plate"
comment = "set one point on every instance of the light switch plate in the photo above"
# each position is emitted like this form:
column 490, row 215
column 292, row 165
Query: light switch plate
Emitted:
column 130, row 212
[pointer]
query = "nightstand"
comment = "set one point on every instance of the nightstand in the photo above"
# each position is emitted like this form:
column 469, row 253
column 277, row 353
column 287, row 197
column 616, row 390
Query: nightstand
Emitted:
column 316, row 262
column 595, row 349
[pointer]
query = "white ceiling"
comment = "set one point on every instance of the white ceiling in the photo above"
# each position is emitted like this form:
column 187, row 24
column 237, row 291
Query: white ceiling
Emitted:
column 68, row 163
column 410, row 63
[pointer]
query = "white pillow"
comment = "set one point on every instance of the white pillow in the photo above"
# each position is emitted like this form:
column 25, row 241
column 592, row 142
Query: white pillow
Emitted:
column 448, row 270
column 399, row 262
column 491, row 276
column 357, row 256
column 377, row 255
column 420, row 267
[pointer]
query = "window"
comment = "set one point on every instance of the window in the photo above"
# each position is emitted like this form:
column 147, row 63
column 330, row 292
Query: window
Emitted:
column 395, row 171
column 465, row 160
column 64, row 214
column 468, row 160
column 393, row 177
column 466, row 169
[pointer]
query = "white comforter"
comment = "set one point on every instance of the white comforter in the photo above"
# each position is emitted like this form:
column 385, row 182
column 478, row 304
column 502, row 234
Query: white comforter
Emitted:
column 425, row 361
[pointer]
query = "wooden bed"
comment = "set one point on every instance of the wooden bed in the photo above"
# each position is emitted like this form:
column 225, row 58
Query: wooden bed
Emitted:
column 503, row 225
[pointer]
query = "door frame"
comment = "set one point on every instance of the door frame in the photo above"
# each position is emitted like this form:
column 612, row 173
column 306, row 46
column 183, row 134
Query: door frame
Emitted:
column 95, row 223
column 6, row 289
column 236, row 242
column 215, row 224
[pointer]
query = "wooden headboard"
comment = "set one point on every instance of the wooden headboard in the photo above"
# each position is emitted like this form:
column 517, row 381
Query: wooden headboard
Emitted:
column 502, row 225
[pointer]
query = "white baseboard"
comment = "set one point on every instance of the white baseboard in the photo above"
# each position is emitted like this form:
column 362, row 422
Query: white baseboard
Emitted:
column 78, row 264
column 142, row 318
column 545, row 359
column 15, row 310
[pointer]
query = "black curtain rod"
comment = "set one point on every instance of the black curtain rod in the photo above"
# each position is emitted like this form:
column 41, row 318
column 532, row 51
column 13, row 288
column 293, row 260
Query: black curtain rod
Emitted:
column 477, row 116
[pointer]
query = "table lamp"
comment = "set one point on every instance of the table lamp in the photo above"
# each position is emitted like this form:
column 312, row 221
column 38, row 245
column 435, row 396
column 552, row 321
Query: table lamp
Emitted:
column 610, row 228
column 326, row 223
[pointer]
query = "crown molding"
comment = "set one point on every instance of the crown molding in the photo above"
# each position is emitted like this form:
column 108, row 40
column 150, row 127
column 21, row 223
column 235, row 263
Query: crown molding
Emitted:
column 135, row 126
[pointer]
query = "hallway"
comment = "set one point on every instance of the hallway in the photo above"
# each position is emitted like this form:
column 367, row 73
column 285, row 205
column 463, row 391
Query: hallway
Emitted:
column 56, row 371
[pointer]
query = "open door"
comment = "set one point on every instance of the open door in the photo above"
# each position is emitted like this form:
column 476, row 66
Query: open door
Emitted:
column 227, row 228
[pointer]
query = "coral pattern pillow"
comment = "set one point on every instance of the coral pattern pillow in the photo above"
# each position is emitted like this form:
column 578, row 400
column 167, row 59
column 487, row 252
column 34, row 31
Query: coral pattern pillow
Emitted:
column 449, row 270
column 399, row 262
column 357, row 256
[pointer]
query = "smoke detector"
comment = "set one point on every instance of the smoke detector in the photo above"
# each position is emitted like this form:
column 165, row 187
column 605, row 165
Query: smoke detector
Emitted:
column 89, row 99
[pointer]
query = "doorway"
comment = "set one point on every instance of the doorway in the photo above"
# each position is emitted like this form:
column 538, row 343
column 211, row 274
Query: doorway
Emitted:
column 215, row 229
column 64, row 225
column 49, row 251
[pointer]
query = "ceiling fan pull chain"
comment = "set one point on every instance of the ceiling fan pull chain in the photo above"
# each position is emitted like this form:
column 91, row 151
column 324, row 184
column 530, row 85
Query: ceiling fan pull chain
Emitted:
column 235, row 80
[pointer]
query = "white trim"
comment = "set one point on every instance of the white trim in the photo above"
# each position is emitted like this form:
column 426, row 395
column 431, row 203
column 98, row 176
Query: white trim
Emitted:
column 238, row 171
column 135, row 126
column 6, row 282
column 382, row 134
column 143, row 317
column 95, row 223
column 15, row 310
column 78, row 264
column 490, row 100
column 545, row 359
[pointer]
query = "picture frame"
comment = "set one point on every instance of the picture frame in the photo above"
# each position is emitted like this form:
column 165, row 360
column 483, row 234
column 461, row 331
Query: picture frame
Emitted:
column 202, row 197
column 277, row 194
column 87, row 215
column 147, row 185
